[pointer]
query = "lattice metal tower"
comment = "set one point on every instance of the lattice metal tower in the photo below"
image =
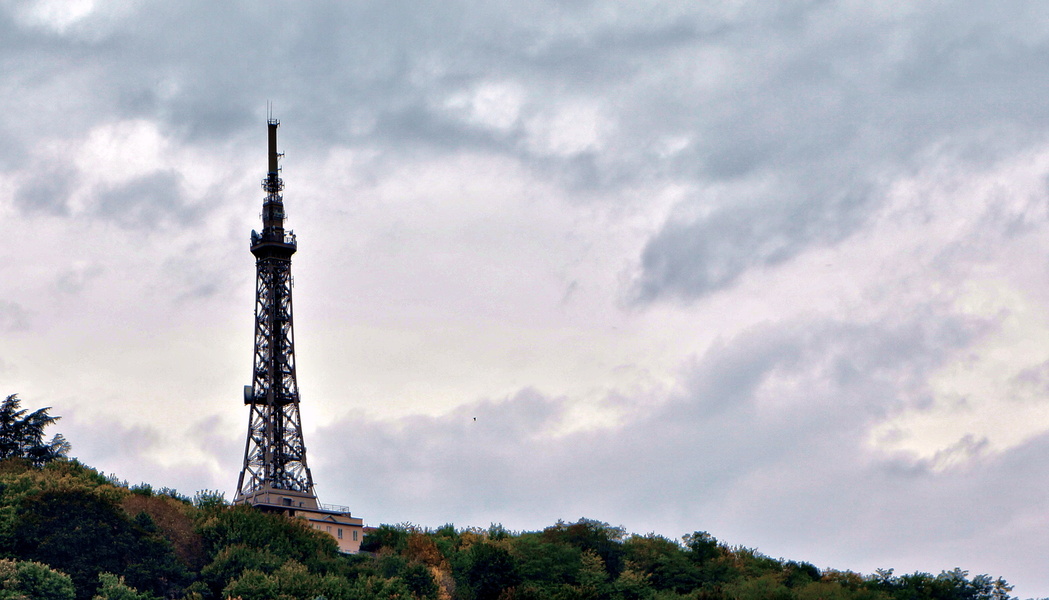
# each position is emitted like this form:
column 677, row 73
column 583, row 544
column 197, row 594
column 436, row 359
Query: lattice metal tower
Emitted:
column 275, row 471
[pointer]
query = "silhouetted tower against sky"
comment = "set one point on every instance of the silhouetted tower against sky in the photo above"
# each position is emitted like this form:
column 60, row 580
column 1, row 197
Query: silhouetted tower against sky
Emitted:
column 275, row 471
column 275, row 476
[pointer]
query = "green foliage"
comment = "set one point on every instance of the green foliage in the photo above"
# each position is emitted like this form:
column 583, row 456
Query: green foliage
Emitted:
column 595, row 536
column 22, row 434
column 703, row 547
column 26, row 580
column 751, row 564
column 210, row 500
column 496, row 532
column 633, row 585
column 593, row 578
column 664, row 563
column 290, row 539
column 83, row 534
column 143, row 489
column 835, row 590
column 112, row 587
column 390, row 565
column 566, row 562
column 545, row 563
column 796, row 574
column 249, row 548
column 765, row 587
column 948, row 585
column 251, row 585
column 489, row 570
column 70, row 532
column 232, row 561
column 370, row 588
column 172, row 519
column 293, row 581
column 419, row 581
column 386, row 536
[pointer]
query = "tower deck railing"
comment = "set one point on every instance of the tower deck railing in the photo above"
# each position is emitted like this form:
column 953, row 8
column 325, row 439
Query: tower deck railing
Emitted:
column 336, row 508
column 289, row 239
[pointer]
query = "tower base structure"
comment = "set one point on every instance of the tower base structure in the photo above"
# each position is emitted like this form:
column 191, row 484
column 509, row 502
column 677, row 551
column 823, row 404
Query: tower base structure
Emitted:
column 336, row 521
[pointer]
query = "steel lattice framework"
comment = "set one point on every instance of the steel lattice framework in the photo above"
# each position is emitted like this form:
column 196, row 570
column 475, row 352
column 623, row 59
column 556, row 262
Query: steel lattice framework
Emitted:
column 275, row 453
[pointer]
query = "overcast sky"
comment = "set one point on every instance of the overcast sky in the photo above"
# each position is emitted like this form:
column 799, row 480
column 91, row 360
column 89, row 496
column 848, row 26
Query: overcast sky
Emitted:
column 774, row 270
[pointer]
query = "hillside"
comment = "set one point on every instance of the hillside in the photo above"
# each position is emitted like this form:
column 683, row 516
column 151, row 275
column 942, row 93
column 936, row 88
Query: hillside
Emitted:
column 67, row 531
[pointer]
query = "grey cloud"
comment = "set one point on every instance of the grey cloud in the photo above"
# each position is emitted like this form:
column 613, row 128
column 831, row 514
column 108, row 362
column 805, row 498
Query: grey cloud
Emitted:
column 385, row 63
column 48, row 190
column 721, row 443
column 13, row 316
column 126, row 451
column 787, row 470
column 846, row 378
column 388, row 61
column 834, row 113
column 148, row 201
column 726, row 377
column 1035, row 379
column 691, row 259
column 197, row 276
column 1037, row 375
column 73, row 280
column 213, row 435
column 118, row 442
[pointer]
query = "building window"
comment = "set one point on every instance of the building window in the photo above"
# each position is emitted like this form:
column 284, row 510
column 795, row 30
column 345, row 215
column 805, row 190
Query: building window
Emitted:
column 340, row 533
column 286, row 501
column 355, row 535
column 329, row 528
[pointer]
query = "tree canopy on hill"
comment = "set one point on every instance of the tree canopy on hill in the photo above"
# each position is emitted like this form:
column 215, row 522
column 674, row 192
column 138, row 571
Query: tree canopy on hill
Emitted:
column 591, row 560
column 69, row 532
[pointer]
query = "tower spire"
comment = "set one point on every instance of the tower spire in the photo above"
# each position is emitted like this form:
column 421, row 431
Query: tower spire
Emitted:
column 273, row 185
column 275, row 472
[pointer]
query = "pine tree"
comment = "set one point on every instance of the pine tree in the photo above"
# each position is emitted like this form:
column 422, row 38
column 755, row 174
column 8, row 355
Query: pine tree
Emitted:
column 22, row 434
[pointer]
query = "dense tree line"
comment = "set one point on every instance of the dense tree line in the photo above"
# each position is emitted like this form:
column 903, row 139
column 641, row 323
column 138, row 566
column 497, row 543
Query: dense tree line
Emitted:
column 67, row 532
column 590, row 560
column 69, row 529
